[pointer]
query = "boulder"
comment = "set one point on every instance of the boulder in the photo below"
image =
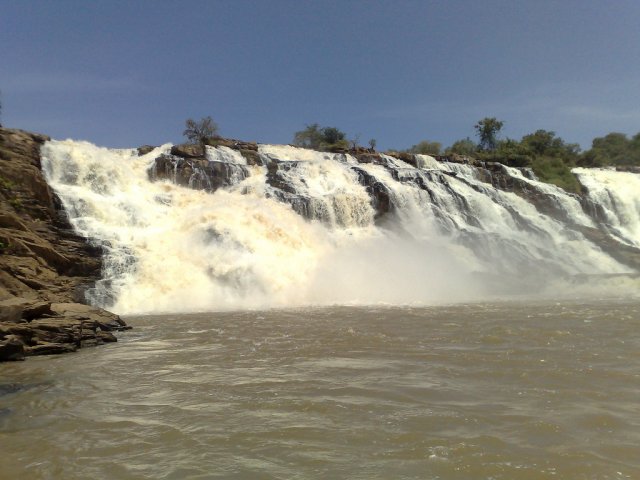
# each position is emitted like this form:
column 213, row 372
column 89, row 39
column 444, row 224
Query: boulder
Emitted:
column 11, row 309
column 251, row 156
column 144, row 149
column 107, row 321
column 188, row 150
column 11, row 349
column 368, row 157
column 17, row 308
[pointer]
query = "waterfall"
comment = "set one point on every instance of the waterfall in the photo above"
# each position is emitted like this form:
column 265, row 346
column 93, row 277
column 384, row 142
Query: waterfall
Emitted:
column 616, row 197
column 297, row 227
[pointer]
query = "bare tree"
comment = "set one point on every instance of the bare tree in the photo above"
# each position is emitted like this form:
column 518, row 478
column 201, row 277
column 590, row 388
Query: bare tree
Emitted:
column 200, row 131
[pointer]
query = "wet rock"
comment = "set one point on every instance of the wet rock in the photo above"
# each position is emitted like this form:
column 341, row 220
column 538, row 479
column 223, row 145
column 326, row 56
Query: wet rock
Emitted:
column 46, row 348
column 144, row 149
column 107, row 321
column 107, row 337
column 368, row 157
column 277, row 175
column 379, row 193
column 188, row 150
column 625, row 254
column 197, row 173
column 497, row 175
column 251, row 156
column 406, row 157
column 11, row 349
column 59, row 328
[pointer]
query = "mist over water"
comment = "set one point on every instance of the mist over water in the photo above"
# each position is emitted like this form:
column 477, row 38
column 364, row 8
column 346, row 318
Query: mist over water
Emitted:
column 449, row 236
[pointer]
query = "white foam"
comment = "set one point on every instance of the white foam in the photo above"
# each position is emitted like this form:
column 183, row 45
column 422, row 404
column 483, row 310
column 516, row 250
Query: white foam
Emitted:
column 169, row 248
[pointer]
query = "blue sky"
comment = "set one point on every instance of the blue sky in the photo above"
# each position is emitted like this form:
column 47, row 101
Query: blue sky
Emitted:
column 126, row 73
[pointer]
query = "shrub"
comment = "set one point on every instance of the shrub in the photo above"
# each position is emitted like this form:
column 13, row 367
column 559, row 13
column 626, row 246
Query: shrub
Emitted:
column 200, row 131
column 321, row 138
column 554, row 170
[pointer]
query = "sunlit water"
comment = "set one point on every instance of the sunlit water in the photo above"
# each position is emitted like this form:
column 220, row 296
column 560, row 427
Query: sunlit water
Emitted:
column 490, row 391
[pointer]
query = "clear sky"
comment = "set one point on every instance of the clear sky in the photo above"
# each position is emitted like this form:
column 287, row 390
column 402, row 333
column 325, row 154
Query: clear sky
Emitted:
column 126, row 73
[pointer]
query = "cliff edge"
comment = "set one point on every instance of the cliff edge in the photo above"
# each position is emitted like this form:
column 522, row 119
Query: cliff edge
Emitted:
column 44, row 266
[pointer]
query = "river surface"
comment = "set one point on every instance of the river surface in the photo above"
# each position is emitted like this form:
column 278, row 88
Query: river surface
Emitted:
column 483, row 391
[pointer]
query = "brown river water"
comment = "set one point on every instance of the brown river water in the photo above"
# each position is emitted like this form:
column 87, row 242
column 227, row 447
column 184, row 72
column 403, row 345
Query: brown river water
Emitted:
column 484, row 391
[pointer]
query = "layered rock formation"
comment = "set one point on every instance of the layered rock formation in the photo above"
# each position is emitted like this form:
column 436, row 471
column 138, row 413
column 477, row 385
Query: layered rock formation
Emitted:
column 44, row 266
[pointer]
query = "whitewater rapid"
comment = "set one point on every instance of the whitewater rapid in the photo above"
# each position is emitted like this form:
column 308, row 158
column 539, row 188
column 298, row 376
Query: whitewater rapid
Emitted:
column 448, row 237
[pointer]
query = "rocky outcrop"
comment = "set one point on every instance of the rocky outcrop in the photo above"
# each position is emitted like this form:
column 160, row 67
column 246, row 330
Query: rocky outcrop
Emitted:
column 42, row 261
column 47, row 328
column 196, row 172
column 187, row 165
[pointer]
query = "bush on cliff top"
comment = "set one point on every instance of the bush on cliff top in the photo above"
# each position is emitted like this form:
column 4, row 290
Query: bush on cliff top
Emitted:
column 200, row 131
column 321, row 138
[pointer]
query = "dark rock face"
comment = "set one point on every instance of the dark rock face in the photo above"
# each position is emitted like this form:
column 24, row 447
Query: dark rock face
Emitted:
column 197, row 172
column 42, row 261
column 368, row 157
column 251, row 156
column 379, row 193
column 11, row 348
column 496, row 174
column 144, row 149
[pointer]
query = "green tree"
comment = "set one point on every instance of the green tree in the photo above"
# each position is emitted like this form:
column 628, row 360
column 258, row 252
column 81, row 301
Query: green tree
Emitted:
column 466, row 147
column 613, row 149
column 544, row 142
column 310, row 137
column 332, row 135
column 487, row 130
column 321, row 138
column 200, row 131
column 426, row 147
column 511, row 153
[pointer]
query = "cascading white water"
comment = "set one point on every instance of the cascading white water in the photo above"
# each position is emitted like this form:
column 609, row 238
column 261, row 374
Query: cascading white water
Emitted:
column 509, row 233
column 330, row 186
column 170, row 248
column 618, row 195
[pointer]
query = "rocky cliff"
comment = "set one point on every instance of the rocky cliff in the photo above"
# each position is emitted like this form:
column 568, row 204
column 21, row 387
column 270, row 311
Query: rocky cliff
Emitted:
column 44, row 266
